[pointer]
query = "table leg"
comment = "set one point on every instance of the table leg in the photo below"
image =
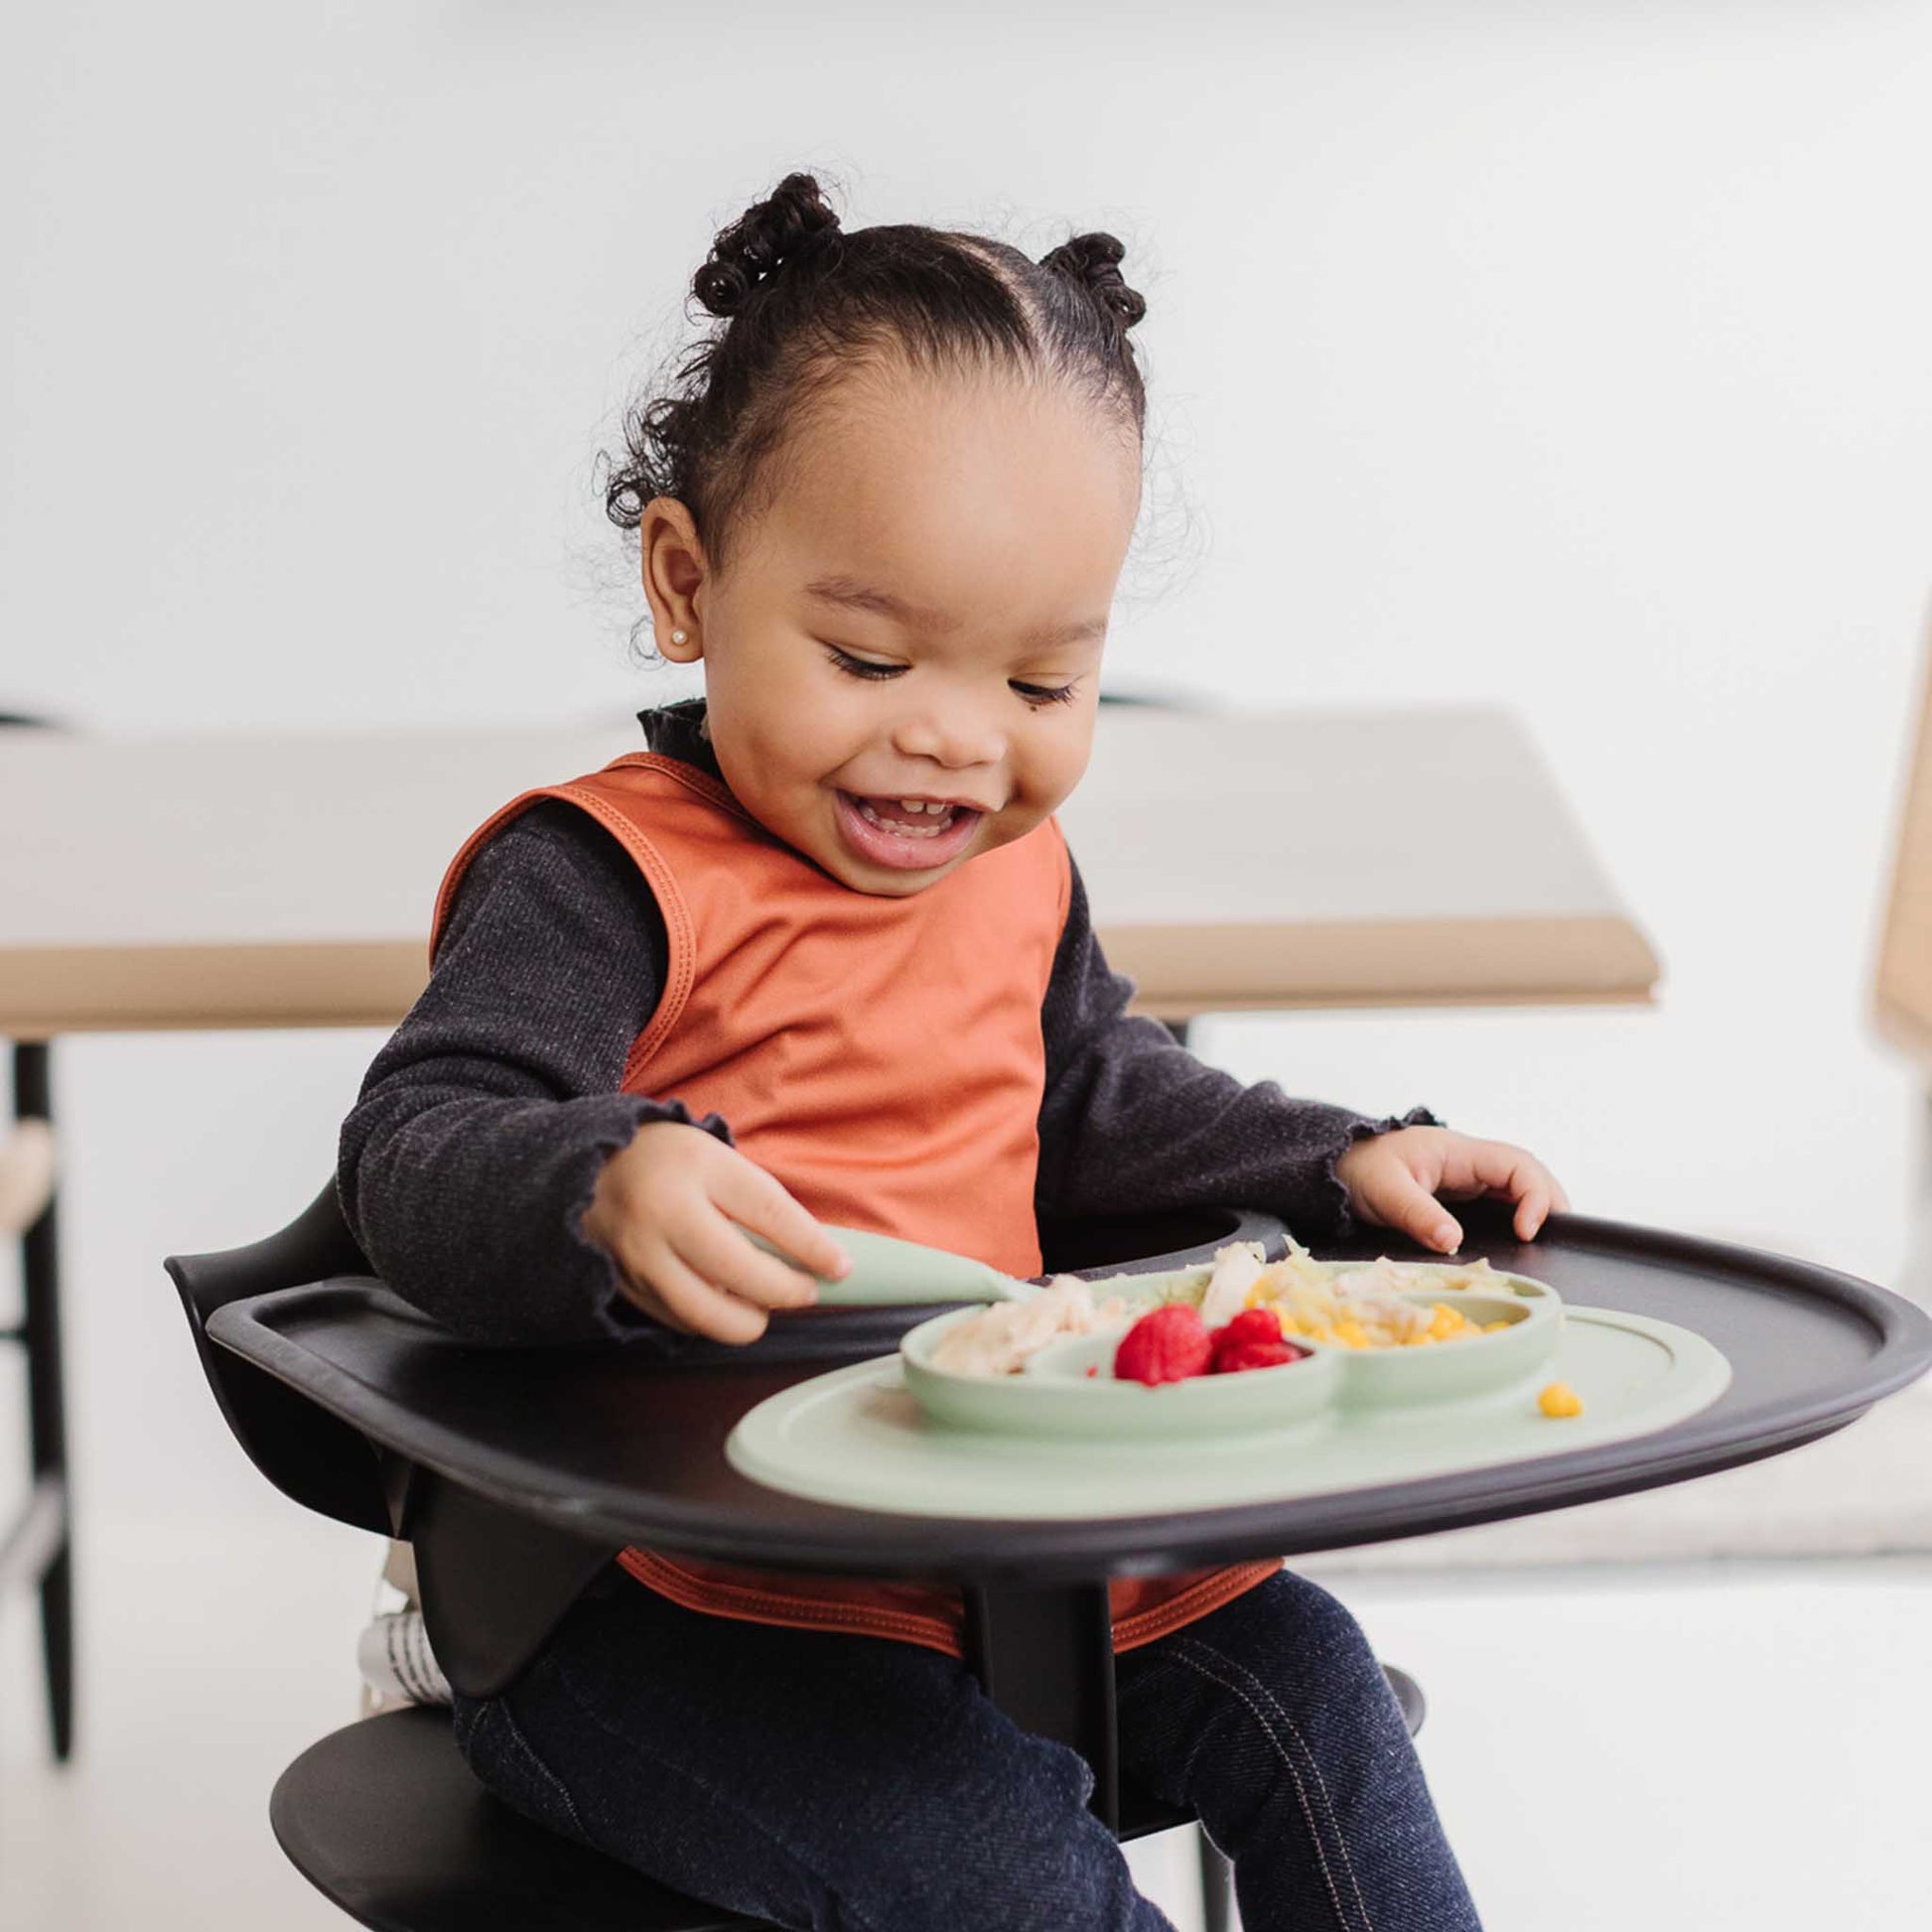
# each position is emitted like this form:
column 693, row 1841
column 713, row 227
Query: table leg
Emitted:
column 1045, row 1657
column 47, row 1416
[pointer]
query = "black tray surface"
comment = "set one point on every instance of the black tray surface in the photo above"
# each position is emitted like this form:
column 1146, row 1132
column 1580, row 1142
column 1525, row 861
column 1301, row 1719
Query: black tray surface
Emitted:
column 612, row 1440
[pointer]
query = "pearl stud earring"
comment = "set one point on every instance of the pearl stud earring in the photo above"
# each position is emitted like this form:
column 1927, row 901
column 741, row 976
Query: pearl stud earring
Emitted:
column 677, row 636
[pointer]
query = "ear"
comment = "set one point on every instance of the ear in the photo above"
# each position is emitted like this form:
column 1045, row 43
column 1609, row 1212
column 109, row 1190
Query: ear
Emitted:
column 674, row 572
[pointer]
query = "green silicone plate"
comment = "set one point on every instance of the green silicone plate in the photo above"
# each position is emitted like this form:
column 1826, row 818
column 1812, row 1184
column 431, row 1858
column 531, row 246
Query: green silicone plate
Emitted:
column 1056, row 1396
column 857, row 1436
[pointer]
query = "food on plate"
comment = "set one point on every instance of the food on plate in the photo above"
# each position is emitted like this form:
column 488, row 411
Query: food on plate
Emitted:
column 1362, row 1304
column 1560, row 1399
column 1242, row 1312
column 1237, row 1268
column 1165, row 1345
column 999, row 1342
column 1253, row 1339
column 1173, row 1343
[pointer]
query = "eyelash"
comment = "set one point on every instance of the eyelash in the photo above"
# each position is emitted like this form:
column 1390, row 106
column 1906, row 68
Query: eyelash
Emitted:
column 863, row 666
column 1037, row 696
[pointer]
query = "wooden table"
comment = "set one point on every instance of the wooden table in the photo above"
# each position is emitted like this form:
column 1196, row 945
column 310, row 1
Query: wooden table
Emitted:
column 1233, row 862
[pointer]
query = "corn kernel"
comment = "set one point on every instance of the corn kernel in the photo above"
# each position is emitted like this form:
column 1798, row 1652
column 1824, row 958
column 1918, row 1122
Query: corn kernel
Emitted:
column 1560, row 1398
column 1491, row 1327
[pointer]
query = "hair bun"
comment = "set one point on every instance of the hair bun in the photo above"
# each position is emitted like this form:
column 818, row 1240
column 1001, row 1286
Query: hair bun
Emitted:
column 794, row 220
column 1093, row 260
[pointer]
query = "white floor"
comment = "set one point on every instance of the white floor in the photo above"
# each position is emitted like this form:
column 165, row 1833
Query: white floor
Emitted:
column 1669, row 1746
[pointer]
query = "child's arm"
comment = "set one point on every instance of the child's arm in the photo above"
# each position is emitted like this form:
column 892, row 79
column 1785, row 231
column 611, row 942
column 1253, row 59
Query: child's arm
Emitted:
column 484, row 1126
column 1132, row 1122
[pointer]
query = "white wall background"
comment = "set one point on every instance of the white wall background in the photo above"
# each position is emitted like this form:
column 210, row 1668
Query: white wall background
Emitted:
column 1570, row 357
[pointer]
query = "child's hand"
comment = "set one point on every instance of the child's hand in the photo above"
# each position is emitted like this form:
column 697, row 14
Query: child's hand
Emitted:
column 1394, row 1178
column 670, row 1211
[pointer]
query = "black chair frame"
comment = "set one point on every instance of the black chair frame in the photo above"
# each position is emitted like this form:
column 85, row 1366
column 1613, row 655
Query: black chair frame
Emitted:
column 493, row 1584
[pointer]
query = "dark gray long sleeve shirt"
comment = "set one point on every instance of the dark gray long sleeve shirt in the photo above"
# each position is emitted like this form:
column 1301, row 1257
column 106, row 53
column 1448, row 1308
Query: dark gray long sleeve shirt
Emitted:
column 474, row 1149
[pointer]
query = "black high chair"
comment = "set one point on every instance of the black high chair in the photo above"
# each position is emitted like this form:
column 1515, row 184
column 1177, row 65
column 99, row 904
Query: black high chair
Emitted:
column 383, row 1816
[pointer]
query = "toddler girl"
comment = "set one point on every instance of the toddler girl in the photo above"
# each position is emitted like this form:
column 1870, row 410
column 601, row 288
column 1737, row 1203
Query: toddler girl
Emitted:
column 820, row 955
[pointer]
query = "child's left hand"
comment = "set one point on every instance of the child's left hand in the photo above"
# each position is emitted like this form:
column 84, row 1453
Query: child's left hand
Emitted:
column 1394, row 1180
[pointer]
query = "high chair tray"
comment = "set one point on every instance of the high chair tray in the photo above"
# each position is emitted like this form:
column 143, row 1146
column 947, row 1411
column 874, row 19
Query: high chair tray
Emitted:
column 610, row 1441
column 857, row 1436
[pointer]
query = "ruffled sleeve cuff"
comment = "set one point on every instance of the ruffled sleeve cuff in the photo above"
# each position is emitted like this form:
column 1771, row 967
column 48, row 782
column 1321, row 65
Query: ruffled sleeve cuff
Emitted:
column 614, row 1314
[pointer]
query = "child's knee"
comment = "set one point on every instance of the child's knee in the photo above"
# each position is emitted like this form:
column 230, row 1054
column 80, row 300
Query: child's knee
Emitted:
column 1287, row 1623
column 1272, row 1683
column 1316, row 1627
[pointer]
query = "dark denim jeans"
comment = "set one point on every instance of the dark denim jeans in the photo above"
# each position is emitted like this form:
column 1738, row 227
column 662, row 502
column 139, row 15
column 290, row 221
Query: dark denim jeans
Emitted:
column 830, row 1781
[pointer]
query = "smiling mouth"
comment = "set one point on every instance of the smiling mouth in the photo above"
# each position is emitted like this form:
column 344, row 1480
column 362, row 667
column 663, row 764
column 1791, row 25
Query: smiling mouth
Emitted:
column 906, row 834
column 909, row 818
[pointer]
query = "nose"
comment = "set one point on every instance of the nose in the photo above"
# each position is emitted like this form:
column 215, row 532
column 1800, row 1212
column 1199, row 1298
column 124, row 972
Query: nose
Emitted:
column 958, row 734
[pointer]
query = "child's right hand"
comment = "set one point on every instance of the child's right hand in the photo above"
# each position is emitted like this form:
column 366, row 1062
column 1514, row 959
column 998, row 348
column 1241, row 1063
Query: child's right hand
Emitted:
column 670, row 1211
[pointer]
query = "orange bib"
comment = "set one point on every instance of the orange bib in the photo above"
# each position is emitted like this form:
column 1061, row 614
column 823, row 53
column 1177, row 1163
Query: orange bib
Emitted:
column 881, row 1057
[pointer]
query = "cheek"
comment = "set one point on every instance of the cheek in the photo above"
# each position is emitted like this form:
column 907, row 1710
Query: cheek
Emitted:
column 786, row 728
column 1055, row 762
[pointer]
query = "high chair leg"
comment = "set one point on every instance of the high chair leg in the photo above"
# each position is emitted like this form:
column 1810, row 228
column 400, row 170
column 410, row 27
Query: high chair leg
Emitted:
column 1216, row 1885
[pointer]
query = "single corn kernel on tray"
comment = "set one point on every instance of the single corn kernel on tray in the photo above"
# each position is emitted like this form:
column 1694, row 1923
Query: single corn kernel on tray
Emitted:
column 1383, row 1372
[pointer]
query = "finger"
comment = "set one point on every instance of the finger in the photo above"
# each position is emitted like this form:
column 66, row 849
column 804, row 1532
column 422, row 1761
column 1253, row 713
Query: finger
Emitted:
column 1506, row 1172
column 756, row 1200
column 1397, row 1199
column 705, row 1308
column 1554, row 1199
column 718, row 1252
column 641, row 1295
column 1531, row 1209
column 1494, row 1168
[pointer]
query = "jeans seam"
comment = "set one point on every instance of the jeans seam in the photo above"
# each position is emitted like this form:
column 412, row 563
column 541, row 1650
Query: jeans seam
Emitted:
column 1185, row 1644
column 1314, row 1763
column 549, row 1776
column 723, row 1799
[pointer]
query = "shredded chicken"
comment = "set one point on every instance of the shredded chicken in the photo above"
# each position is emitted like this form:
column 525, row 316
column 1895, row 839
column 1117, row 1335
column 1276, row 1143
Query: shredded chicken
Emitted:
column 1237, row 1268
column 998, row 1341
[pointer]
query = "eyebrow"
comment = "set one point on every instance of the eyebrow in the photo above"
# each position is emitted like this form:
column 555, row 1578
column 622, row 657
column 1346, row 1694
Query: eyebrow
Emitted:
column 850, row 595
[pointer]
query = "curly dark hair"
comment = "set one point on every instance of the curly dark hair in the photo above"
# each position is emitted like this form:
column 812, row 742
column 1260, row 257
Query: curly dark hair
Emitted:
column 800, row 301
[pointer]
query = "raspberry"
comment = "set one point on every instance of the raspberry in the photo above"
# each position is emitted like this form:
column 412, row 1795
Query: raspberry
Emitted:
column 1165, row 1345
column 1251, row 1324
column 1253, row 1339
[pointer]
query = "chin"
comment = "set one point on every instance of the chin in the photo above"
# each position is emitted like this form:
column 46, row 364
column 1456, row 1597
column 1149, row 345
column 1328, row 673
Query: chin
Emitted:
column 882, row 881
